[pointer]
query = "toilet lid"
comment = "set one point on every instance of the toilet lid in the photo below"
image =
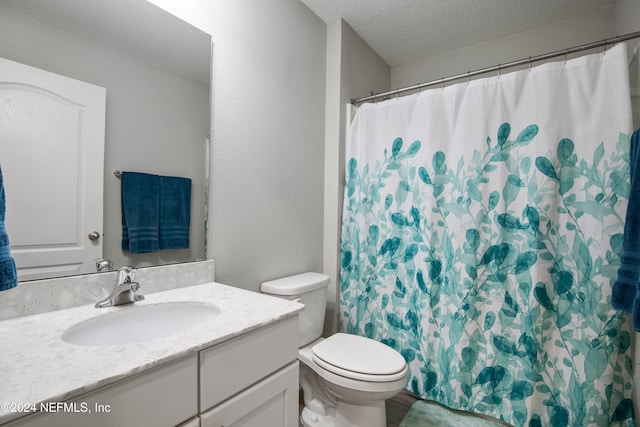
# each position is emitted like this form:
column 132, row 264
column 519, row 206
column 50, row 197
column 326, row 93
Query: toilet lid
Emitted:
column 352, row 353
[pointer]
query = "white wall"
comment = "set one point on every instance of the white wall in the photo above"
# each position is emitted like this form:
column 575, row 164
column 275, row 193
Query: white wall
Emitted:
column 266, row 191
column 156, row 121
column 560, row 35
column 353, row 69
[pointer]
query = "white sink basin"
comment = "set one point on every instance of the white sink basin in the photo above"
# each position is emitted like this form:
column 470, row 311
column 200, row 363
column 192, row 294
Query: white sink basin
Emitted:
column 133, row 324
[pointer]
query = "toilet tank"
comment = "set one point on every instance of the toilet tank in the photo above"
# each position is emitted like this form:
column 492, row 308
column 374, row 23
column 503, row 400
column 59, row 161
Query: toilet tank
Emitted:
column 309, row 289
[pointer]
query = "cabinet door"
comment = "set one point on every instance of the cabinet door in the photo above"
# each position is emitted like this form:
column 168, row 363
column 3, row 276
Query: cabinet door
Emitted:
column 165, row 396
column 272, row 402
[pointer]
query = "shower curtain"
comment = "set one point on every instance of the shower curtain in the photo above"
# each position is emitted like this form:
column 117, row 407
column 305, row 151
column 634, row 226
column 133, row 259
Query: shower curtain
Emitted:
column 481, row 234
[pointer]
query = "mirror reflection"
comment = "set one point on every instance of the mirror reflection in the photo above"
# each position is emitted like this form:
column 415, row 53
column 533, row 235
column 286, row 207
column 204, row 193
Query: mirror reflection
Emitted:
column 155, row 70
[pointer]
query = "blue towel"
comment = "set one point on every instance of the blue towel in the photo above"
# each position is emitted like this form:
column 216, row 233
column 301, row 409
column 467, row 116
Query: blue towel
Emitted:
column 175, row 212
column 8, row 274
column 625, row 294
column 140, row 194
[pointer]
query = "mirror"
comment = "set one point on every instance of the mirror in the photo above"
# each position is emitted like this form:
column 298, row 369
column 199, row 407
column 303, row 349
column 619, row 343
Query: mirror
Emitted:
column 156, row 72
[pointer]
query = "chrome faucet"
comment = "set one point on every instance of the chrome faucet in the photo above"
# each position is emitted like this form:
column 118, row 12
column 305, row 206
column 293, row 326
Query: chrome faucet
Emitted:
column 124, row 291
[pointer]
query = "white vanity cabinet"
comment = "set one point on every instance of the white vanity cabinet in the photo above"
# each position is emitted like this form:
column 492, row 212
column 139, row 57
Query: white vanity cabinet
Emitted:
column 249, row 380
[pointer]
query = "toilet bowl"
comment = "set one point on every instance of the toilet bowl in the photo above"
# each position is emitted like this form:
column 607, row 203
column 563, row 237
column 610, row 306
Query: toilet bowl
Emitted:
column 345, row 379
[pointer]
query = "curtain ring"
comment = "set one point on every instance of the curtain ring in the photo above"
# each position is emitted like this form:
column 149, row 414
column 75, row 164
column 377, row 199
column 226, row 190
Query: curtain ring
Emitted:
column 566, row 51
column 468, row 76
column 499, row 65
column 442, row 83
column 604, row 46
column 529, row 63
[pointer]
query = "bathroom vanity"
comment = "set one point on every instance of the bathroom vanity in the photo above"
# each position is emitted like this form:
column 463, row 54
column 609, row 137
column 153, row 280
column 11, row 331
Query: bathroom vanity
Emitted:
column 240, row 368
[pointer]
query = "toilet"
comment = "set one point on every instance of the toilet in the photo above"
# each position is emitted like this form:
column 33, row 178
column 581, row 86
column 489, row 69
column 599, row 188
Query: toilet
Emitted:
column 345, row 379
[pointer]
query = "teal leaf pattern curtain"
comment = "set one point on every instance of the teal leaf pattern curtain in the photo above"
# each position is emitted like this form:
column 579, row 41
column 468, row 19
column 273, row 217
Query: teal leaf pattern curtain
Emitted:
column 481, row 235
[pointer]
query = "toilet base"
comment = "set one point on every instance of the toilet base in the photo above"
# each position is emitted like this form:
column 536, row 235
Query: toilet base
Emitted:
column 308, row 418
column 347, row 415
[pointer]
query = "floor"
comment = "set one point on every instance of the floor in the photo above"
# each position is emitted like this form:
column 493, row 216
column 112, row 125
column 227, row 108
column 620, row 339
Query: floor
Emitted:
column 398, row 406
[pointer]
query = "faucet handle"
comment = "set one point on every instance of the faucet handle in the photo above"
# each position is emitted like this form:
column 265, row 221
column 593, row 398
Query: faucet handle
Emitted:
column 134, row 287
column 126, row 273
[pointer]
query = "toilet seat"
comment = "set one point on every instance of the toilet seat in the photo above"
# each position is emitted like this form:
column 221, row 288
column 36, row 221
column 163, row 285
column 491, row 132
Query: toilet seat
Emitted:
column 359, row 358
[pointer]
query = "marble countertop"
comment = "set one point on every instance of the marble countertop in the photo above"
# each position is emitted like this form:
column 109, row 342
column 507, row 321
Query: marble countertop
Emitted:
column 37, row 366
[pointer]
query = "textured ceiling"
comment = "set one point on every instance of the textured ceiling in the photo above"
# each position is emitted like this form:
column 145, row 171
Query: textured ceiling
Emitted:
column 136, row 27
column 402, row 31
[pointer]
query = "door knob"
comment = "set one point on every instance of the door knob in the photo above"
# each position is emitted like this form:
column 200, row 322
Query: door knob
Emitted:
column 94, row 235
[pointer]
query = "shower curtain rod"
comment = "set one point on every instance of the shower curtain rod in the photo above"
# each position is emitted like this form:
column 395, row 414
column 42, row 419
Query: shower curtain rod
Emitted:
column 499, row 67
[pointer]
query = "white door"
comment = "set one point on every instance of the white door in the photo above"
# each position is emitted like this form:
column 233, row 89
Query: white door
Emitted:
column 52, row 157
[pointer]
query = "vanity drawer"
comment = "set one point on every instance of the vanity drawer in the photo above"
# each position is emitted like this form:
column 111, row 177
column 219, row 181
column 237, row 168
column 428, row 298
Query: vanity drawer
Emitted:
column 232, row 366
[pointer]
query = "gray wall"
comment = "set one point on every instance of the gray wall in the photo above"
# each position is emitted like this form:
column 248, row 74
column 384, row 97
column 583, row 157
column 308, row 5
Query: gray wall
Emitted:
column 266, row 193
column 626, row 16
column 560, row 35
column 353, row 69
column 156, row 121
